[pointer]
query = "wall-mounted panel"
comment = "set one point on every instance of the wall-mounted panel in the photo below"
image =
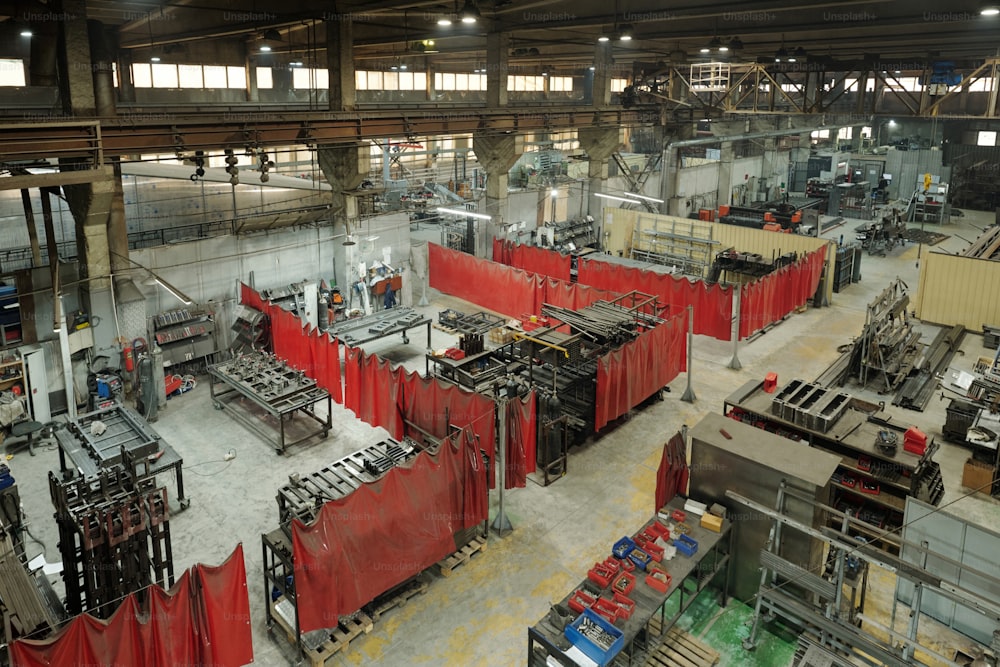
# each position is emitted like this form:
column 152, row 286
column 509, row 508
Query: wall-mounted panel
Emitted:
column 958, row 290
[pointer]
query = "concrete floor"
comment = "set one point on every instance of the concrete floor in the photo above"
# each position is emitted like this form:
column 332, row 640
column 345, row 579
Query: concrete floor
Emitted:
column 480, row 614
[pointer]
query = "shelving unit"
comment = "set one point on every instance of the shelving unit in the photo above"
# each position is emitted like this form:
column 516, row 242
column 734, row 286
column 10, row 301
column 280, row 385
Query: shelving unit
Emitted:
column 573, row 234
column 872, row 484
column 10, row 317
column 184, row 335
column 11, row 373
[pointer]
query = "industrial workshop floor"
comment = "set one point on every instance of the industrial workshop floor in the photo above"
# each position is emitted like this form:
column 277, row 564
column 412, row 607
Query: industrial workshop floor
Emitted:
column 479, row 615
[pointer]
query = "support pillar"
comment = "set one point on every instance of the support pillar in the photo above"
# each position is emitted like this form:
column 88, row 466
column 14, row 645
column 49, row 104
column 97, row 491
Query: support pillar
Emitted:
column 340, row 62
column 76, row 83
column 600, row 143
column 603, row 66
column 725, row 189
column 103, row 47
column 29, row 219
column 670, row 190
column 344, row 168
column 497, row 67
column 497, row 154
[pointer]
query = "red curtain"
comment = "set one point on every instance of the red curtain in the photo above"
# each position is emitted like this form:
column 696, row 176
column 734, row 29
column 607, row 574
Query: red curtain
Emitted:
column 573, row 295
column 203, row 620
column 326, row 364
column 520, row 453
column 374, row 391
column 430, row 405
column 633, row 372
column 775, row 295
column 533, row 259
column 672, row 473
column 713, row 304
column 250, row 297
column 384, row 533
column 490, row 285
column 352, row 379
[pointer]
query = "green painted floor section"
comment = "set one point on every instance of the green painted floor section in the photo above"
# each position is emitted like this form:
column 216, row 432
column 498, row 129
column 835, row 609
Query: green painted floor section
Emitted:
column 725, row 630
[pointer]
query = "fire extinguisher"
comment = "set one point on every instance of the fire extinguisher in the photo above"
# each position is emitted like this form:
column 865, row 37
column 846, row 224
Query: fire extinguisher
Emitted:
column 129, row 360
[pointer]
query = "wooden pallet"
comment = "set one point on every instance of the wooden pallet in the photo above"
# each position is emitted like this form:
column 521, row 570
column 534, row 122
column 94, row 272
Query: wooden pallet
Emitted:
column 441, row 327
column 680, row 649
column 462, row 555
column 339, row 639
column 397, row 598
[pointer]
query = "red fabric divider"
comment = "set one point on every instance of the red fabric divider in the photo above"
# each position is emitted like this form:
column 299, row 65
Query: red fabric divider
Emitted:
column 632, row 373
column 772, row 297
column 226, row 637
column 492, row 286
column 203, row 620
column 672, row 473
column 373, row 390
column 429, row 405
column 385, row 532
column 520, row 453
column 352, row 379
column 250, row 297
column 533, row 259
column 326, row 364
column 573, row 295
column 713, row 304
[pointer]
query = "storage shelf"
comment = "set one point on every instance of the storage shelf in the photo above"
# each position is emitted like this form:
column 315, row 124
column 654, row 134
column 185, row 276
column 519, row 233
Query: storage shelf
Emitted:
column 885, row 499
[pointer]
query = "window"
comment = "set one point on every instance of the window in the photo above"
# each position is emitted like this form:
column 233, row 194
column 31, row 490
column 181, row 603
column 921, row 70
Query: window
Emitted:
column 845, row 133
column 453, row 81
column 237, row 77
column 264, row 80
column 618, row 85
column 986, row 138
column 190, row 76
column 303, row 78
column 12, row 73
column 981, row 85
column 141, row 75
column 215, row 76
column 561, row 84
column 528, row 84
column 820, row 134
column 164, row 76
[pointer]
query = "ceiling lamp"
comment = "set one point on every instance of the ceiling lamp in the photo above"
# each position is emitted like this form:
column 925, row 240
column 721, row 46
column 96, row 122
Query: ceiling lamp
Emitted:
column 444, row 21
column 625, row 33
column 716, row 45
column 604, row 38
column 735, row 44
column 423, row 46
column 781, row 54
column 23, row 29
column 469, row 12
column 987, row 9
column 705, row 50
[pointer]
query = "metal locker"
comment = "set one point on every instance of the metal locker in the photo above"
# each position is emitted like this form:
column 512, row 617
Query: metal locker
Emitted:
column 37, row 383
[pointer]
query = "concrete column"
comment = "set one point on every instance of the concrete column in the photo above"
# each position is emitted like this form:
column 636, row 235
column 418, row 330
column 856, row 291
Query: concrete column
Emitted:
column 725, row 189
column 345, row 167
column 603, row 71
column 497, row 154
column 126, row 89
column 76, row 82
column 44, row 54
column 340, row 62
column 770, row 168
column 600, row 143
column 103, row 47
column 497, row 52
column 253, row 92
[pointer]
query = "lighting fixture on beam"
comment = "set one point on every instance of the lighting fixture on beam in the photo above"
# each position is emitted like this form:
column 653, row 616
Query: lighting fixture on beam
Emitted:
column 444, row 21
column 349, row 240
column 154, row 279
column 24, row 30
column 989, row 9
column 467, row 214
column 735, row 44
column 469, row 12
column 652, row 199
column 615, row 198
column 604, row 38
column 625, row 32
column 554, row 193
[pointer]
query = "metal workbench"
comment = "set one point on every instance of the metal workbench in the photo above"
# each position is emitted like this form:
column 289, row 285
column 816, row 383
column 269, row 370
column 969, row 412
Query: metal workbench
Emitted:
column 711, row 559
column 90, row 453
column 379, row 325
column 272, row 385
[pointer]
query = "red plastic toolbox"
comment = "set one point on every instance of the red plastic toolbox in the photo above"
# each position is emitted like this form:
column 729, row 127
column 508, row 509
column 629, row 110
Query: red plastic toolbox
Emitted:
column 626, row 603
column 679, row 515
column 580, row 601
column 607, row 609
column 658, row 580
column 623, row 584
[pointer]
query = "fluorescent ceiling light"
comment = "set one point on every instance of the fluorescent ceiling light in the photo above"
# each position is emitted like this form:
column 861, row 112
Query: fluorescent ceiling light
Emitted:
column 985, row 11
column 154, row 59
column 170, row 288
column 468, row 214
column 624, row 199
column 554, row 193
column 444, row 21
column 633, row 194
column 265, row 48
column 603, row 38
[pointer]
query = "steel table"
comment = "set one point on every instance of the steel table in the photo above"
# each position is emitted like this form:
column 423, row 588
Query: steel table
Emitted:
column 275, row 387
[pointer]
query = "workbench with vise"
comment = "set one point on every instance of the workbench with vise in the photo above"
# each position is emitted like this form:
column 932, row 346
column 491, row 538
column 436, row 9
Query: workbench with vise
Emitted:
column 273, row 386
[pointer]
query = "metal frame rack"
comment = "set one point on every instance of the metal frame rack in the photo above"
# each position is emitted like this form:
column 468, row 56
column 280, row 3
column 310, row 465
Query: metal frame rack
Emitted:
column 28, row 605
column 832, row 627
column 272, row 385
column 126, row 436
column 872, row 481
column 114, row 535
column 641, row 634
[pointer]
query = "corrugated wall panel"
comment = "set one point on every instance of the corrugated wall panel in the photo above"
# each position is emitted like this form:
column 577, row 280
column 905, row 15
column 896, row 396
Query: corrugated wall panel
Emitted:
column 959, row 290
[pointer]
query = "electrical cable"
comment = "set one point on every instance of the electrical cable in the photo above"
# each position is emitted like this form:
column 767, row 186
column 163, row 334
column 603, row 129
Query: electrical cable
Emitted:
column 226, row 460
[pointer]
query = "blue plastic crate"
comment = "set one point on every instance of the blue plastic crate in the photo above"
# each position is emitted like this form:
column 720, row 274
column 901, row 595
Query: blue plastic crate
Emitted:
column 599, row 655
column 686, row 545
column 622, row 548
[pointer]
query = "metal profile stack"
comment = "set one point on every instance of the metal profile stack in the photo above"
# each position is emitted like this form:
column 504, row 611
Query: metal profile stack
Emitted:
column 26, row 610
column 303, row 496
column 114, row 537
column 810, row 405
column 610, row 322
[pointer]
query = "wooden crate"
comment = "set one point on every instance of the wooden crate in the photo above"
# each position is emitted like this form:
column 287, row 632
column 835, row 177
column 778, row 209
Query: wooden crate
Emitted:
column 978, row 475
